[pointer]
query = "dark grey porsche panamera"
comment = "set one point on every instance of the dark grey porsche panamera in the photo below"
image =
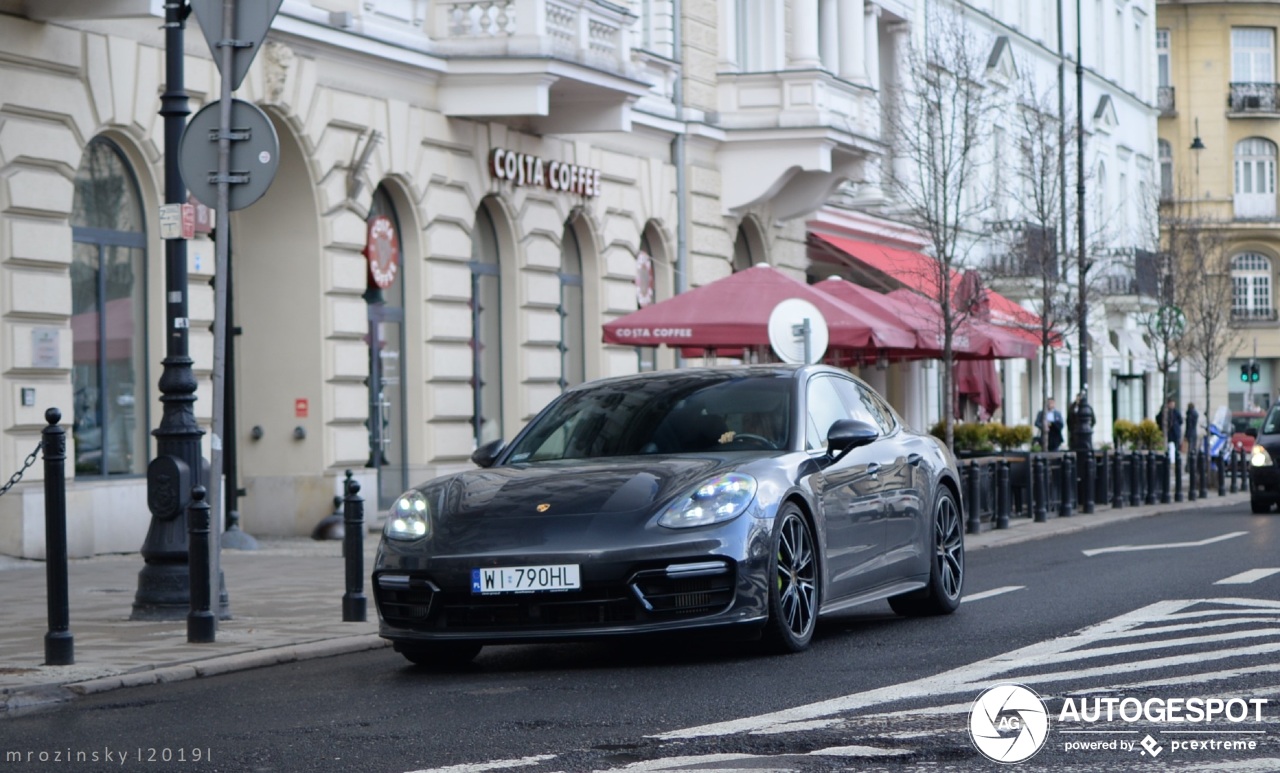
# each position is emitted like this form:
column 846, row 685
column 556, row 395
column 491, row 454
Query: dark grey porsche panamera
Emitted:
column 754, row 498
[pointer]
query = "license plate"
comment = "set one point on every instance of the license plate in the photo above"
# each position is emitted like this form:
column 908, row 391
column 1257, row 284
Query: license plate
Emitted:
column 525, row 579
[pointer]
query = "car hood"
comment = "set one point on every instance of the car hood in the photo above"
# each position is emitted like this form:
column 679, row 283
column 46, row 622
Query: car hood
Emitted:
column 568, row 504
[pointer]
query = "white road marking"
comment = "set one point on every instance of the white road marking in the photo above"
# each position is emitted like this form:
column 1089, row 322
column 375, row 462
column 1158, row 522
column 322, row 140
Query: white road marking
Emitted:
column 1245, row 578
column 972, row 678
column 859, row 751
column 480, row 767
column 1164, row 546
column 986, row 594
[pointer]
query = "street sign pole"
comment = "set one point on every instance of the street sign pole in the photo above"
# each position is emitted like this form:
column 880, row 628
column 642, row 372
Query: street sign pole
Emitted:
column 226, row 54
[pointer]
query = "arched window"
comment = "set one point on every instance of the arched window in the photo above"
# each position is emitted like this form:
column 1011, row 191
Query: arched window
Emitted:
column 387, row 388
column 1166, row 170
column 486, row 328
column 1251, row 286
column 108, row 322
column 573, row 337
column 646, row 293
column 1255, row 195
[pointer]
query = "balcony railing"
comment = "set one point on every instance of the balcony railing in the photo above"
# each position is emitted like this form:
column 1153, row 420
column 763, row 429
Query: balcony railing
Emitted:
column 586, row 31
column 1241, row 314
column 1165, row 101
column 1253, row 98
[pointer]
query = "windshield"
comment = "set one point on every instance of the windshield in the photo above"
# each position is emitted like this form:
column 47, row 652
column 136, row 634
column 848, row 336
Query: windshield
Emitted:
column 661, row 416
column 1272, row 425
column 1242, row 422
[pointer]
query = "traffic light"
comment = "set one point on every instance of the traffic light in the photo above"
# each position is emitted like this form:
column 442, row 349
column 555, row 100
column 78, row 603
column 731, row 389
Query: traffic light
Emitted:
column 1253, row 372
column 1244, row 373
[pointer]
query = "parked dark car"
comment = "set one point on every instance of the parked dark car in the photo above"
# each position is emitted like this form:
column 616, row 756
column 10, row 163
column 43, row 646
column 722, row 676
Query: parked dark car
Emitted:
column 1264, row 476
column 748, row 500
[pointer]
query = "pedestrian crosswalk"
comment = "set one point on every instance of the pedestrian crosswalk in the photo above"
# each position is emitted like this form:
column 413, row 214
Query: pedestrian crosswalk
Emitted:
column 1206, row 648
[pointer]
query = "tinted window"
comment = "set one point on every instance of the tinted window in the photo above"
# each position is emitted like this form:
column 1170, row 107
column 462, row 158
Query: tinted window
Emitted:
column 1272, row 425
column 660, row 416
column 826, row 406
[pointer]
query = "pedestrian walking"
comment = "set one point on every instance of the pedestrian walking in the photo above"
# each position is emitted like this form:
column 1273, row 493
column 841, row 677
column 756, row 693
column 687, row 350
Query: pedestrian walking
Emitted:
column 1193, row 420
column 1050, row 423
column 1170, row 420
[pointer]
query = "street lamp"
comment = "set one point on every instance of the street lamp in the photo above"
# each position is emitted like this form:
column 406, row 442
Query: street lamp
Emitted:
column 1082, row 431
column 164, row 581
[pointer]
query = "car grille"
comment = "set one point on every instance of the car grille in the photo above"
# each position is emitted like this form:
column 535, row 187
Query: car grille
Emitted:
column 649, row 595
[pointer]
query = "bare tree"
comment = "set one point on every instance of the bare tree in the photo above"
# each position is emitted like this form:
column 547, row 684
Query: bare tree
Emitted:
column 939, row 123
column 1197, row 248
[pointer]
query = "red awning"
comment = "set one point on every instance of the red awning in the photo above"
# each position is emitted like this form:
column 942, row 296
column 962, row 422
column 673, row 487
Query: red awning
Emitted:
column 980, row 382
column 920, row 273
column 973, row 339
column 734, row 312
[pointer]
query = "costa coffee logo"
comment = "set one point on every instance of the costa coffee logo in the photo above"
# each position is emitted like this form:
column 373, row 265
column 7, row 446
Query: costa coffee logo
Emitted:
column 382, row 248
column 523, row 169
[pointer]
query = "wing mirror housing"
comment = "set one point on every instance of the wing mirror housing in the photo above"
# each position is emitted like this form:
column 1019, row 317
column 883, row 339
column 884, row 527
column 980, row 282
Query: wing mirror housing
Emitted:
column 487, row 454
column 1252, row 432
column 848, row 434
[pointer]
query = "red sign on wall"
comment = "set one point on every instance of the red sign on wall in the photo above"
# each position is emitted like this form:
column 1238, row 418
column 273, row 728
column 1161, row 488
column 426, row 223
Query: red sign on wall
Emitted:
column 301, row 408
column 382, row 248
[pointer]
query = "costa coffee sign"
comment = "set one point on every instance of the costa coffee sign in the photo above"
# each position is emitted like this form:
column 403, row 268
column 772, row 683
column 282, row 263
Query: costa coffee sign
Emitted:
column 523, row 169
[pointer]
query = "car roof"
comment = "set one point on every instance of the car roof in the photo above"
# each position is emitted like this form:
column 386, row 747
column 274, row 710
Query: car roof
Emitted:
column 715, row 373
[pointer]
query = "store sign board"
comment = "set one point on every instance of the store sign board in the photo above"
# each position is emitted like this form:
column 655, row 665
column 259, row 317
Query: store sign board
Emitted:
column 523, row 169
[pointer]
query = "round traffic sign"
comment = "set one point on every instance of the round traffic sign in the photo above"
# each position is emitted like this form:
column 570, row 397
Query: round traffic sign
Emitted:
column 255, row 157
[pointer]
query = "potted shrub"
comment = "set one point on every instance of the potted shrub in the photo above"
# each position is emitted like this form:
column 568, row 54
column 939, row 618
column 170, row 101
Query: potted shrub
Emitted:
column 1125, row 434
column 1149, row 435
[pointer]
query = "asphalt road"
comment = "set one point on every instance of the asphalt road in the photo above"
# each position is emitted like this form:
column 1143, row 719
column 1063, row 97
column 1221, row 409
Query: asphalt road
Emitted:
column 1083, row 620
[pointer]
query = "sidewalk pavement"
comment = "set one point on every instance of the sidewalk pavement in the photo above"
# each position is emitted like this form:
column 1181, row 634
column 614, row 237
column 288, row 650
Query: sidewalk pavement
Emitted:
column 286, row 605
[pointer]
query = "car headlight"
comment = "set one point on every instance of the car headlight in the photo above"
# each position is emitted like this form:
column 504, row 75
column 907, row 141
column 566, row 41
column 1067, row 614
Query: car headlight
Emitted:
column 1259, row 457
column 408, row 518
column 720, row 499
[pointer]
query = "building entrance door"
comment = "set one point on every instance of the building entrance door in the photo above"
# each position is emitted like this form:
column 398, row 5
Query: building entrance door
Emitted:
column 387, row 440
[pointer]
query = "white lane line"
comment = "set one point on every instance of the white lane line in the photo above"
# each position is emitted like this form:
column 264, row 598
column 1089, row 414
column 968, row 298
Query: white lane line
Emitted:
column 986, row 594
column 969, row 679
column 1164, row 546
column 1245, row 578
column 480, row 767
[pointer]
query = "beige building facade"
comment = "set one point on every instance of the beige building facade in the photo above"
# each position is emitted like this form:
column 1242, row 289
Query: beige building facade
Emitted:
column 438, row 117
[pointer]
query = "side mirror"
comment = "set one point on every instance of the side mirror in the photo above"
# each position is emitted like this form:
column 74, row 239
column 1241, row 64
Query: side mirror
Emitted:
column 848, row 434
column 487, row 454
column 1251, row 432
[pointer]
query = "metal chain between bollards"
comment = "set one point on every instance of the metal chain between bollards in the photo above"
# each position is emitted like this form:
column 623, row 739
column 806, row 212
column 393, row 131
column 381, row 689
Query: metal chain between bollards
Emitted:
column 17, row 476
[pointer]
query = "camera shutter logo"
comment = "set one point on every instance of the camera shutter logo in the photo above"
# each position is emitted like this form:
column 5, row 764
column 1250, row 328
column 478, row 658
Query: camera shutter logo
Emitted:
column 1009, row 723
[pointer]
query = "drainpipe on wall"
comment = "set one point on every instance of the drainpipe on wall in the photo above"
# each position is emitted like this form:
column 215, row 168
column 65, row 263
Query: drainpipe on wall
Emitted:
column 678, row 155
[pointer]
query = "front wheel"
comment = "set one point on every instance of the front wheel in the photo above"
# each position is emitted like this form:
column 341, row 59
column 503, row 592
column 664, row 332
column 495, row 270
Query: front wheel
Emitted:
column 793, row 583
column 438, row 655
column 946, row 569
column 1260, row 506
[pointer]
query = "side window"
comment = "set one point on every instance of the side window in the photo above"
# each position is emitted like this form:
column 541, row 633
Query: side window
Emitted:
column 855, row 402
column 879, row 409
column 825, row 407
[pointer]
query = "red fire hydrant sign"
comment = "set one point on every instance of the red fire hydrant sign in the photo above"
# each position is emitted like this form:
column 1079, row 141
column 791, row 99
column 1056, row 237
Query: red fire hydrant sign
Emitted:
column 301, row 407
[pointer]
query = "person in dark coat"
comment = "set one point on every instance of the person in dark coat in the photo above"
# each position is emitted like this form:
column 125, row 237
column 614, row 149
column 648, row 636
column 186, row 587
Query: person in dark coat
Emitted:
column 1170, row 420
column 1193, row 422
column 1049, row 423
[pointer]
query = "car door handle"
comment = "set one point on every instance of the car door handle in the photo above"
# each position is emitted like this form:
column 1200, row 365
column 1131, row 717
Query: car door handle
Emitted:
column 914, row 459
column 873, row 469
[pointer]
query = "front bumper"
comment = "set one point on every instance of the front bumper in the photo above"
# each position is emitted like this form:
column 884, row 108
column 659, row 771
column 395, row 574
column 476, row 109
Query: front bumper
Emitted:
column 700, row 582
column 1264, row 484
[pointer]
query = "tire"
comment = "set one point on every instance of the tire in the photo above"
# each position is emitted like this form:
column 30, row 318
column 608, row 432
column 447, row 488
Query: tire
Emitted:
column 1260, row 506
column 946, row 566
column 439, row 655
column 793, row 584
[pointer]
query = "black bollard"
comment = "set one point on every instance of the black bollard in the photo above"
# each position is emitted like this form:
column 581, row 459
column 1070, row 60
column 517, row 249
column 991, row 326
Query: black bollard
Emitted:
column 1088, row 482
column 59, row 643
column 1117, row 480
column 1067, row 507
column 202, row 624
column 1004, row 494
column 1040, row 494
column 1162, row 471
column 1203, row 473
column 1153, row 482
column 1222, row 476
column 974, row 486
column 1177, row 475
column 353, row 601
column 1135, row 479
column 1192, row 466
